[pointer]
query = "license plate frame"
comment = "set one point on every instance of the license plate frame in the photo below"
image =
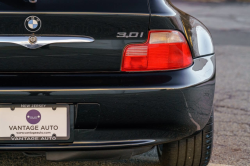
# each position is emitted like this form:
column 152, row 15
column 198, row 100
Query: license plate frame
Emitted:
column 69, row 123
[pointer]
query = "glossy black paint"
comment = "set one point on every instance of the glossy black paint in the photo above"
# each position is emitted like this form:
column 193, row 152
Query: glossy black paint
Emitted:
column 164, row 15
column 161, row 106
column 99, row 19
column 131, row 109
column 121, row 6
column 104, row 54
column 159, row 115
column 201, row 71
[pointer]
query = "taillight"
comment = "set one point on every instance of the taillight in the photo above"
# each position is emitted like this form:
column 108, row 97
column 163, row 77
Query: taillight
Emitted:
column 164, row 50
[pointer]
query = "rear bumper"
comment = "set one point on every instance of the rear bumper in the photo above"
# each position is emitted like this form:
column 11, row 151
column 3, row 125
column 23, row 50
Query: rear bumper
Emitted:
column 136, row 109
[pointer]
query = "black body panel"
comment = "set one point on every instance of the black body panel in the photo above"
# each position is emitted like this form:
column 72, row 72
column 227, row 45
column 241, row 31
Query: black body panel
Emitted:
column 161, row 115
column 99, row 19
column 121, row 6
column 164, row 15
column 112, row 109
column 162, row 106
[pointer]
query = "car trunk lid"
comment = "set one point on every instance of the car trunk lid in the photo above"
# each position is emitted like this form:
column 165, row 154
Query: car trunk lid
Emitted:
column 111, row 24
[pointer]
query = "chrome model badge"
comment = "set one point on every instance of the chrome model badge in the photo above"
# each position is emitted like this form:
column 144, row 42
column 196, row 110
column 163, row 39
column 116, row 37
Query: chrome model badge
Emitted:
column 33, row 23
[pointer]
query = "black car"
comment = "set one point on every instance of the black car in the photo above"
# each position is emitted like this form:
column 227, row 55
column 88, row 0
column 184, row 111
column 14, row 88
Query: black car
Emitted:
column 105, row 79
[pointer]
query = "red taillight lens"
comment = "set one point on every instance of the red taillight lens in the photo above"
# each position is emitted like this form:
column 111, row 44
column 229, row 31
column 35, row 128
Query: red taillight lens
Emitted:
column 164, row 50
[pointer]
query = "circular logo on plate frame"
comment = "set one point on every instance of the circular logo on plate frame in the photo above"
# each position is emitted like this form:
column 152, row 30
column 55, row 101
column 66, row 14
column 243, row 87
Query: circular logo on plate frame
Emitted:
column 33, row 117
column 33, row 23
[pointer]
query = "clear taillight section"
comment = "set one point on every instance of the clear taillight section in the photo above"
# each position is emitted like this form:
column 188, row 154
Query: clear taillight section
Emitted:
column 164, row 50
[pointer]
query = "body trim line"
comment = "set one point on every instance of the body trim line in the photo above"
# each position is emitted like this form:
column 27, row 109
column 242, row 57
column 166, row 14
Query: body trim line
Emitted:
column 78, row 13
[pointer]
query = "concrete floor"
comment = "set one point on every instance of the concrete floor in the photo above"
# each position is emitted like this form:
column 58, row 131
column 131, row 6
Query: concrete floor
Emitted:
column 230, row 26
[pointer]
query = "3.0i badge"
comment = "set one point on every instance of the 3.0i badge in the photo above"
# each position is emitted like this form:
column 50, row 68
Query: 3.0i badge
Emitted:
column 33, row 23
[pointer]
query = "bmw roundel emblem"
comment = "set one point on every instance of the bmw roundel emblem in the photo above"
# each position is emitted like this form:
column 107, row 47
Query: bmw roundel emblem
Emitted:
column 33, row 23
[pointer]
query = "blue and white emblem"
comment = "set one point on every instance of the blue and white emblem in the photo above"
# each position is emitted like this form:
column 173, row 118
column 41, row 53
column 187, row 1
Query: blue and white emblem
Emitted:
column 33, row 23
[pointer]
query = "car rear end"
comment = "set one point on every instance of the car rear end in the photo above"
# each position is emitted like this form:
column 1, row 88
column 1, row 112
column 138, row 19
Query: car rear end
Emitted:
column 101, row 79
